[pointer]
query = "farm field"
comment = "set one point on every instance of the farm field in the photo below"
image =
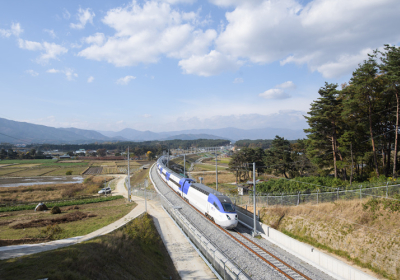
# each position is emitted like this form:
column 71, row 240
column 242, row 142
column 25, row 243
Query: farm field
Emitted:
column 73, row 221
column 46, row 167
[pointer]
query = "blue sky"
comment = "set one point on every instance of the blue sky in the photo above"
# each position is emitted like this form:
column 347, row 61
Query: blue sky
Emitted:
column 172, row 65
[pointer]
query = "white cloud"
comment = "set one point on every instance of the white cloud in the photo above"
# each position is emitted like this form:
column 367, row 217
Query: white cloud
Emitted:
column 238, row 80
column 147, row 116
column 145, row 32
column 90, row 79
column 83, row 16
column 321, row 33
column 125, row 80
column 15, row 30
column 53, row 71
column 69, row 73
column 97, row 39
column 32, row 73
column 286, row 85
column 210, row 64
column 275, row 93
column 66, row 14
column 50, row 32
column 51, row 50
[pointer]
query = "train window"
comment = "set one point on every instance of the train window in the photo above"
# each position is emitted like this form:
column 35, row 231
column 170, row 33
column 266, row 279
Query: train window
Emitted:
column 228, row 207
column 216, row 206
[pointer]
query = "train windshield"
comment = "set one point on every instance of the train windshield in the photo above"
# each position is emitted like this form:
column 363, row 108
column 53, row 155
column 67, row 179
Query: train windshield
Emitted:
column 228, row 207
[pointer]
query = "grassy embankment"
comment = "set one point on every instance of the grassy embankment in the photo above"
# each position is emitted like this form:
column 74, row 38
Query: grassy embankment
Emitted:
column 134, row 252
column 364, row 233
column 91, row 214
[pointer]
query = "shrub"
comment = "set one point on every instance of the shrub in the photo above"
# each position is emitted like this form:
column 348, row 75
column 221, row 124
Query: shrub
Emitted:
column 51, row 231
column 69, row 172
column 55, row 210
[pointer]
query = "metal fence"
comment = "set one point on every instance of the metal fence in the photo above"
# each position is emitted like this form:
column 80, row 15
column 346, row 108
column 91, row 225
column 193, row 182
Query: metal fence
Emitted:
column 387, row 192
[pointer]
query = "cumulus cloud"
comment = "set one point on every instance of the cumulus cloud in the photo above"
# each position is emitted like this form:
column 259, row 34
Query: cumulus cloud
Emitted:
column 125, row 80
column 145, row 32
column 50, row 32
column 238, row 80
column 210, row 64
column 15, row 30
column 275, row 93
column 51, row 50
column 286, row 85
column 32, row 73
column 90, row 79
column 322, row 34
column 53, row 71
column 69, row 73
column 83, row 16
column 97, row 39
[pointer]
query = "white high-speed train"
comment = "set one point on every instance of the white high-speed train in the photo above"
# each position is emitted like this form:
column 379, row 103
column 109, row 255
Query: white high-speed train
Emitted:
column 213, row 204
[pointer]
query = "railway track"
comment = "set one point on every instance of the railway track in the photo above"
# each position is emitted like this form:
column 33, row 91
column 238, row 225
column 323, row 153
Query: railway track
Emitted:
column 286, row 270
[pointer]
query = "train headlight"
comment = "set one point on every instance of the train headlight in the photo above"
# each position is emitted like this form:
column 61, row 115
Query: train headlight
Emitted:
column 236, row 217
column 229, row 218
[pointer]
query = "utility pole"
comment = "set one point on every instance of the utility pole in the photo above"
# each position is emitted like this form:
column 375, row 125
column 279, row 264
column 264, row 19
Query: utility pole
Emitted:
column 145, row 196
column 216, row 172
column 254, row 199
column 129, row 180
column 184, row 165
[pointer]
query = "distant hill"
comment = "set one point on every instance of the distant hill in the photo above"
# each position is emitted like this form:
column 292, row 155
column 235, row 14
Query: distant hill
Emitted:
column 25, row 133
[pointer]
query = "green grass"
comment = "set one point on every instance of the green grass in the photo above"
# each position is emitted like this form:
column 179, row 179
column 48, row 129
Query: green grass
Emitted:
column 134, row 252
column 60, row 204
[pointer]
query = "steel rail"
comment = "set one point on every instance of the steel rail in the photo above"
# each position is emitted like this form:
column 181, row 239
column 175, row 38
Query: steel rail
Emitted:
column 272, row 255
column 244, row 245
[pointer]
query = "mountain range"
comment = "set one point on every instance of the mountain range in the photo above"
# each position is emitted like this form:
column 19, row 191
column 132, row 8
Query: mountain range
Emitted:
column 24, row 133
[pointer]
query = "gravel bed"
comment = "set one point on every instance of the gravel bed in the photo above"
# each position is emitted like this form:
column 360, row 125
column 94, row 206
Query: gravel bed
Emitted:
column 290, row 259
column 251, row 264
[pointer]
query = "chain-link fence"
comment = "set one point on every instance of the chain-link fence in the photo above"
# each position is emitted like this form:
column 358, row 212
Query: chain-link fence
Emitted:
column 387, row 192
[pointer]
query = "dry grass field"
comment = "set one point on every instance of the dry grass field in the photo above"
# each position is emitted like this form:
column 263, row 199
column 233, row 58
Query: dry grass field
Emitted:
column 135, row 251
column 368, row 237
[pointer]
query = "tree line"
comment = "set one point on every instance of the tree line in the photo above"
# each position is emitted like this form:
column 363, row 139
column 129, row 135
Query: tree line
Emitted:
column 353, row 130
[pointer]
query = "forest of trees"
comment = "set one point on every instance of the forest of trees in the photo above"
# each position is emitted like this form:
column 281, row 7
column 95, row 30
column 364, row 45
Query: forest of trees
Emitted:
column 352, row 132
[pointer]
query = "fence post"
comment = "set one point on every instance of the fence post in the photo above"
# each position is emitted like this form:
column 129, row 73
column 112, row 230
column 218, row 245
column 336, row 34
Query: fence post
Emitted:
column 387, row 183
column 337, row 194
column 360, row 193
column 267, row 199
column 298, row 198
column 317, row 196
column 282, row 199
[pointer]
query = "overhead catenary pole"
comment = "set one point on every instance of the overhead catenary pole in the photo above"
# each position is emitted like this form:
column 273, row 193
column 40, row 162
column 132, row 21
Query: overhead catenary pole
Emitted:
column 129, row 180
column 216, row 172
column 184, row 165
column 254, row 199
